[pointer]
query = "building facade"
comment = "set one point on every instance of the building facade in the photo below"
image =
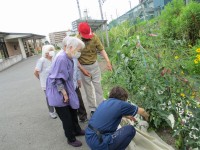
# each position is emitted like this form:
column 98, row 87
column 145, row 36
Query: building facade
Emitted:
column 12, row 44
column 17, row 46
column 57, row 37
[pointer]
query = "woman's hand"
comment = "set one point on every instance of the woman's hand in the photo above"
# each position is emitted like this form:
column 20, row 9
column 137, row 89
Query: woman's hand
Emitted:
column 146, row 117
column 131, row 118
column 66, row 98
column 143, row 113
column 79, row 83
column 36, row 73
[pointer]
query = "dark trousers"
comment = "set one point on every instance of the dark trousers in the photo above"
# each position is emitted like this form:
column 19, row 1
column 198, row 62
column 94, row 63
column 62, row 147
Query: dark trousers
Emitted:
column 69, row 119
column 82, row 114
column 122, row 138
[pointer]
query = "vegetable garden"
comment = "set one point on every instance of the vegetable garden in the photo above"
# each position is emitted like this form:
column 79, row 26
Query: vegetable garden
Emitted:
column 158, row 62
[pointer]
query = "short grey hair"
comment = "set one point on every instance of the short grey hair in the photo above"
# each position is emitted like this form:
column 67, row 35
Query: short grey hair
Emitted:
column 72, row 41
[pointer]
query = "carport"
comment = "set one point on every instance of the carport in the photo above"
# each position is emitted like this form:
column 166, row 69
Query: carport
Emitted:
column 17, row 46
column 20, row 43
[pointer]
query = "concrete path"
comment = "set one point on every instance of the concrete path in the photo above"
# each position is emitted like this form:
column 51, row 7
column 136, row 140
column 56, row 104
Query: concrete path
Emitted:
column 24, row 120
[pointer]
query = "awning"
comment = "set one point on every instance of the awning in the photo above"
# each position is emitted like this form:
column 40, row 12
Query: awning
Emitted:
column 10, row 36
column 94, row 24
column 2, row 34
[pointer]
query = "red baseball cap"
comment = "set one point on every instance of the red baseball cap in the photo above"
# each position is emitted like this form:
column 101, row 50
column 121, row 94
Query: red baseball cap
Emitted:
column 85, row 30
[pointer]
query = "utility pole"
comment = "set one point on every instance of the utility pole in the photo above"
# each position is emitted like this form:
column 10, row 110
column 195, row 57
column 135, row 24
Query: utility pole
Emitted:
column 104, row 26
column 116, row 13
column 130, row 4
column 144, row 11
column 85, row 14
column 101, row 12
column 79, row 9
column 105, row 16
column 100, row 7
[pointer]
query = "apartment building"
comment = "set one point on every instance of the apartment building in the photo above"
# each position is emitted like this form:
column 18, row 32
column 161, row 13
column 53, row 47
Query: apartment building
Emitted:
column 57, row 37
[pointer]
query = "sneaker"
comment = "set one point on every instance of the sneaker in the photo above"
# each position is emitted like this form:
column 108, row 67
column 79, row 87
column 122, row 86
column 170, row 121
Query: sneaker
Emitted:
column 75, row 143
column 53, row 115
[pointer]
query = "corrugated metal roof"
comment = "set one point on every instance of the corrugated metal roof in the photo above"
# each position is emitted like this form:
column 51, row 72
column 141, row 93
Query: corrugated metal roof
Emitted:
column 26, row 35
column 94, row 24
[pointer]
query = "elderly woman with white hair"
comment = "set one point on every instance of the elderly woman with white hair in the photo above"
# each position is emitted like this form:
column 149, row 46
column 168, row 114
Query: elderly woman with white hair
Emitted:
column 42, row 71
column 60, row 89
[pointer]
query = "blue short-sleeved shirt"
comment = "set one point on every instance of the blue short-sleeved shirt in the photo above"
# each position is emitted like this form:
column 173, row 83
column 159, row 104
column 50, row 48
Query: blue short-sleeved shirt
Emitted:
column 106, row 119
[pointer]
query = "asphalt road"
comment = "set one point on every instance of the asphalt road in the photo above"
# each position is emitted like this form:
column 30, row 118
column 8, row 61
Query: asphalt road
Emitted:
column 24, row 120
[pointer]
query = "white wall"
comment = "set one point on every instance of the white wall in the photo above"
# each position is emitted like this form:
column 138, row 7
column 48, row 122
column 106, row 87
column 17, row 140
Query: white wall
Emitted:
column 9, row 62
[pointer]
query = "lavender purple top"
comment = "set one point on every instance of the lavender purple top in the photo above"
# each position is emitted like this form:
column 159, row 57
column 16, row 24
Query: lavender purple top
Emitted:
column 61, row 75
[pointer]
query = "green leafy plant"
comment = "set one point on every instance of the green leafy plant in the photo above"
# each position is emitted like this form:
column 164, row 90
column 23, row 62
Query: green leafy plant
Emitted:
column 158, row 84
column 190, row 22
column 160, row 69
column 180, row 21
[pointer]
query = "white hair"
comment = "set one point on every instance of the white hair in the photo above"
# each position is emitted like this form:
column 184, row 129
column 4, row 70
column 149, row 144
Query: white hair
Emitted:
column 46, row 49
column 73, row 42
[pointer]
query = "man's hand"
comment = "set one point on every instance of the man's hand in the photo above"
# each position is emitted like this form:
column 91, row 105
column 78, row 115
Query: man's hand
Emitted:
column 109, row 66
column 104, row 54
column 85, row 72
column 66, row 98
column 79, row 83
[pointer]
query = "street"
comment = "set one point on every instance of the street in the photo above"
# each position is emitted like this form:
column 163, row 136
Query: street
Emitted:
column 24, row 120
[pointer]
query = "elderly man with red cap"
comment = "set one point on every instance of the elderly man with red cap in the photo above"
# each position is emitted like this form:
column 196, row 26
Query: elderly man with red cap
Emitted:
column 91, row 74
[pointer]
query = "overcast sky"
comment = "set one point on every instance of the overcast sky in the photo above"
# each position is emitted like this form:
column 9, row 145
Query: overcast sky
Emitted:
column 45, row 16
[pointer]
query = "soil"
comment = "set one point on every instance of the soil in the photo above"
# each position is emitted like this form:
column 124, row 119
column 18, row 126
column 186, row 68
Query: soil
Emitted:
column 166, row 135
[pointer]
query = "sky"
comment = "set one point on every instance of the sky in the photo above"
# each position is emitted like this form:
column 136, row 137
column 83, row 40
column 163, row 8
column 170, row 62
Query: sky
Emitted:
column 46, row 16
